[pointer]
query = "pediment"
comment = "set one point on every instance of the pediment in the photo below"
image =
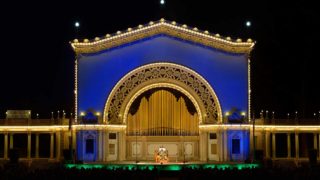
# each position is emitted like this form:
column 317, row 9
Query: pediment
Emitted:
column 169, row 28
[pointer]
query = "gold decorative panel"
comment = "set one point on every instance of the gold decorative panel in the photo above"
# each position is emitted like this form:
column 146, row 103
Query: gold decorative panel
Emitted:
column 112, row 149
column 213, row 148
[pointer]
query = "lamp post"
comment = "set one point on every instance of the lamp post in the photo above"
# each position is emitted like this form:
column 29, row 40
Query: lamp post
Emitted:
column 243, row 114
column 227, row 116
column 267, row 114
column 261, row 115
column 272, row 115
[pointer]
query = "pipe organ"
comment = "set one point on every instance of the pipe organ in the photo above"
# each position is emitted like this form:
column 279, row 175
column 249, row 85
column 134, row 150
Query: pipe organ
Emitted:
column 162, row 112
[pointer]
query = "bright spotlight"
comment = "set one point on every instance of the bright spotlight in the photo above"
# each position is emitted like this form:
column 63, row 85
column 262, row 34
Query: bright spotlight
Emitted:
column 248, row 23
column 77, row 24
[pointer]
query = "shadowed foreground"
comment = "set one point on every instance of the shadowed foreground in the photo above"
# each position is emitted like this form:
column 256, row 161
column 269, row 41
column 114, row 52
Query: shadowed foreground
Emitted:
column 61, row 173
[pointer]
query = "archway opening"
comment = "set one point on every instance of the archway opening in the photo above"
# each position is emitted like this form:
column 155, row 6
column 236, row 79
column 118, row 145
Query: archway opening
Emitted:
column 186, row 80
column 162, row 111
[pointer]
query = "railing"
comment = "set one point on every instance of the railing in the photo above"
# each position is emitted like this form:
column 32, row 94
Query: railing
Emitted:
column 33, row 122
column 288, row 121
column 161, row 131
column 156, row 131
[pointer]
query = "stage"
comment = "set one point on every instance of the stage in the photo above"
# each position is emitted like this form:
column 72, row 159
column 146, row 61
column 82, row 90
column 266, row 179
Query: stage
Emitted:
column 171, row 166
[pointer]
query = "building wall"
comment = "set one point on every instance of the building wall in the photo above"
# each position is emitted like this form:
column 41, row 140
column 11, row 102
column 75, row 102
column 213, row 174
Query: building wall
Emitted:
column 98, row 73
column 86, row 152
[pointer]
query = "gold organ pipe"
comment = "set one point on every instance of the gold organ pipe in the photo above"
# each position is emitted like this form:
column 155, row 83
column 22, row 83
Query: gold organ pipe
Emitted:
column 162, row 115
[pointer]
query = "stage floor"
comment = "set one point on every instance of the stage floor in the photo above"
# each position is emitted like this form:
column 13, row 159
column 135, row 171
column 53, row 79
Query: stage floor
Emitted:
column 171, row 166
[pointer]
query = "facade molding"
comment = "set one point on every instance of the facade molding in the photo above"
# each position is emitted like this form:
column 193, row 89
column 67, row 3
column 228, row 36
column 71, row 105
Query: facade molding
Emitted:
column 163, row 27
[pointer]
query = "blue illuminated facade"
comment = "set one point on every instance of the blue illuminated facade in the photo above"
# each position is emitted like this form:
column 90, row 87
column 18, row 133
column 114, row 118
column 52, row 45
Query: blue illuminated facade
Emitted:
column 98, row 72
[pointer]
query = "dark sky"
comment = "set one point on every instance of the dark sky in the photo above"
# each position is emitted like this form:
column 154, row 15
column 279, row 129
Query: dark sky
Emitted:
column 37, row 61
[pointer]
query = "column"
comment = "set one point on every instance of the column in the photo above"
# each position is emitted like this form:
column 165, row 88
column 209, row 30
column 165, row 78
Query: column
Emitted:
column 319, row 146
column 29, row 146
column 74, row 141
column 288, row 145
column 6, row 146
column 100, row 145
column 315, row 144
column 37, row 145
column 58, row 144
column 121, row 146
column 251, row 139
column 11, row 141
column 263, row 140
column 51, row 145
column 220, row 143
column 273, row 145
column 103, row 144
column 297, row 144
column 203, row 146
column 225, row 147
column 106, row 146
column 267, row 140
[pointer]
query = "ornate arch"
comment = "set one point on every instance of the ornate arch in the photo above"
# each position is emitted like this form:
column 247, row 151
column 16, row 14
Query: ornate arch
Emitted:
column 156, row 85
column 182, row 78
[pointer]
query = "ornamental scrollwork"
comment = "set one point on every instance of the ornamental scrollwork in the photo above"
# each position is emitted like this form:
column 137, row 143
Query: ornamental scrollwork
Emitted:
column 167, row 71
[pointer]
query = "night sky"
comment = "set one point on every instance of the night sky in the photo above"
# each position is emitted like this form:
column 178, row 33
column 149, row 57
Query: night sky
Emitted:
column 37, row 61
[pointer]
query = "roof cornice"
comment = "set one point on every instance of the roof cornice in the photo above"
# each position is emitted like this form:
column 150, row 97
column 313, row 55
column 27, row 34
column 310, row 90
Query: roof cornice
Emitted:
column 170, row 28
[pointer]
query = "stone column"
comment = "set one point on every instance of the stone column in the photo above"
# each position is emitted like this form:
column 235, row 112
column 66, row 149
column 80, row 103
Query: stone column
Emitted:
column 220, row 143
column 37, row 145
column 6, row 146
column 51, row 145
column 106, row 146
column 273, row 145
column 203, row 146
column 319, row 146
column 74, row 141
column 267, row 140
column 297, row 144
column 121, row 146
column 251, row 139
column 315, row 144
column 58, row 145
column 263, row 140
column 288, row 145
column 11, row 141
column 29, row 146
column 225, row 147
column 100, row 145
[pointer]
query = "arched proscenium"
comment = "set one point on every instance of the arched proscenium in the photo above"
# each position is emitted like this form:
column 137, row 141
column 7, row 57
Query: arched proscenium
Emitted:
column 188, row 80
column 166, row 85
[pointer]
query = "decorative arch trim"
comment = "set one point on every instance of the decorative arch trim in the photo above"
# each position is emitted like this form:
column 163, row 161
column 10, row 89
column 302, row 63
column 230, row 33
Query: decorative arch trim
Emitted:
column 180, row 76
column 167, row 85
